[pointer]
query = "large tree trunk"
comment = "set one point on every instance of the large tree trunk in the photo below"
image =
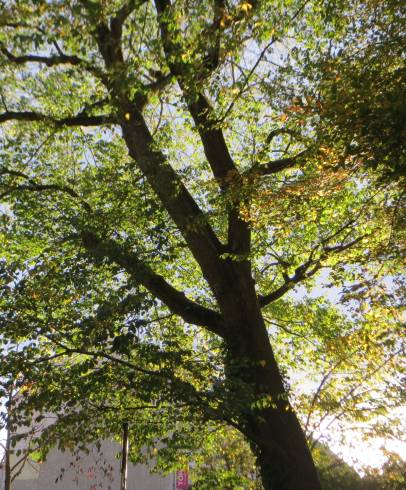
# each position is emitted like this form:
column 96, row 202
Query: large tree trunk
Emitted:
column 283, row 457
column 286, row 471
column 272, row 428
column 275, row 434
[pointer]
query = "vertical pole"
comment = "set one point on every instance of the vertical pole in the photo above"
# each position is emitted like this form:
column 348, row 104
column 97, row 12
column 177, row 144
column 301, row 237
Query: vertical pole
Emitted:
column 124, row 457
column 7, row 455
column 7, row 469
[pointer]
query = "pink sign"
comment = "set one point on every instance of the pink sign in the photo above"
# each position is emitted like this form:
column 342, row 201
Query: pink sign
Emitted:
column 182, row 480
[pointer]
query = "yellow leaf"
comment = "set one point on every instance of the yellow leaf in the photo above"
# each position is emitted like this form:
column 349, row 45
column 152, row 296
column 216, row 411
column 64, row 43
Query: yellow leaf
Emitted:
column 309, row 99
column 246, row 7
column 127, row 116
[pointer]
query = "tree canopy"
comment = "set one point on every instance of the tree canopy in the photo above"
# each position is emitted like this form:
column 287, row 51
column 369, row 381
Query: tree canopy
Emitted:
column 181, row 183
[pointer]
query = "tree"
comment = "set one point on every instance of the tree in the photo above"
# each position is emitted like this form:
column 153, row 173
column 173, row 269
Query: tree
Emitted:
column 168, row 180
column 392, row 476
column 361, row 91
column 20, row 432
column 226, row 462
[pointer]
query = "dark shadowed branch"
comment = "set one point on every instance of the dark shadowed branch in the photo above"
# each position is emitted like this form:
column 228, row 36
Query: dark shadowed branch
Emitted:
column 276, row 166
column 78, row 120
column 175, row 300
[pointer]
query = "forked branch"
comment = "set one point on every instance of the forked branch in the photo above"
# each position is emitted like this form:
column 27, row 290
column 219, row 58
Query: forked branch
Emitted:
column 306, row 270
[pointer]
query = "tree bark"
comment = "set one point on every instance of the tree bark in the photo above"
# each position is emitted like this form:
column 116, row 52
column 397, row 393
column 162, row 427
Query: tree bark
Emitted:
column 274, row 432
column 272, row 428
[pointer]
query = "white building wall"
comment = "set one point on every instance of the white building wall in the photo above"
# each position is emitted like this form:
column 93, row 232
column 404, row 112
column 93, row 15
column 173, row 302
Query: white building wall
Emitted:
column 95, row 471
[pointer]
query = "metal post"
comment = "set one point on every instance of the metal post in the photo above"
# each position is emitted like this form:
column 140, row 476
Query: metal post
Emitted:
column 124, row 457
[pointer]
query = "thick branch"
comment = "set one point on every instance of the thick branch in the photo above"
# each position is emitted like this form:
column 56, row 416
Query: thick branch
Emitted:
column 211, row 135
column 175, row 300
column 122, row 15
column 276, row 166
column 177, row 200
column 213, row 36
column 302, row 272
column 78, row 120
column 52, row 60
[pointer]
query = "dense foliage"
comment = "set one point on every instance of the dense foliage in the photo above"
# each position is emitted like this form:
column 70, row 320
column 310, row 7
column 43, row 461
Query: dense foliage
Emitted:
column 202, row 214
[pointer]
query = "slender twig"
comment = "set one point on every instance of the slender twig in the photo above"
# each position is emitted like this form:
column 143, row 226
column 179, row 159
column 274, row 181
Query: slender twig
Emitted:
column 258, row 61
